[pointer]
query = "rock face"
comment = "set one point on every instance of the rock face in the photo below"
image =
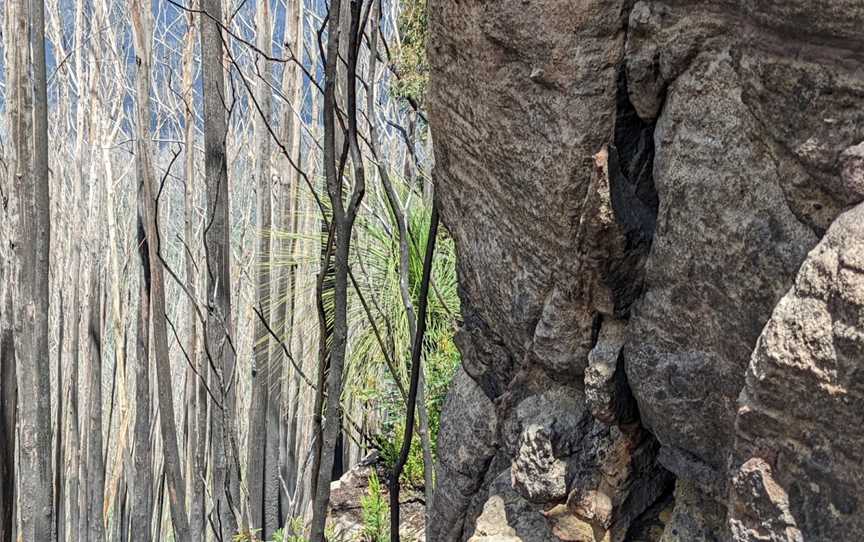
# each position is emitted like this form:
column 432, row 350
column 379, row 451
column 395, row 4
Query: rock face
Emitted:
column 633, row 188
column 799, row 465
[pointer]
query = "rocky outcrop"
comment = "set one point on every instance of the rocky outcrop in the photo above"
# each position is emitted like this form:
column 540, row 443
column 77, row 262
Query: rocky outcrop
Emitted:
column 799, row 464
column 633, row 187
column 470, row 437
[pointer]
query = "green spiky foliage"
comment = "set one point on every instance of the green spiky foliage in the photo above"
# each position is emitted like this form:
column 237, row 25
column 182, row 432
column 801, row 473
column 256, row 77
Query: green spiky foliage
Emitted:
column 369, row 384
column 368, row 374
column 377, row 265
column 374, row 513
column 411, row 63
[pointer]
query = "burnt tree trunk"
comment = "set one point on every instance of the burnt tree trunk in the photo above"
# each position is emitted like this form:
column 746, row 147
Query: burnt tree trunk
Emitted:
column 95, row 460
column 226, row 484
column 31, row 248
column 142, row 30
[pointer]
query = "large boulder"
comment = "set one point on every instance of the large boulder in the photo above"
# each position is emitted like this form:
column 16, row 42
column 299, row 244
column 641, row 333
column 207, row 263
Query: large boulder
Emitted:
column 632, row 188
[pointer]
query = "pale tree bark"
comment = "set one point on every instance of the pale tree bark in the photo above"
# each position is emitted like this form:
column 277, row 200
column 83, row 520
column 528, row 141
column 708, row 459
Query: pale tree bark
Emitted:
column 77, row 445
column 95, row 460
column 142, row 31
column 91, row 456
column 263, row 446
column 117, row 449
column 142, row 474
column 31, row 256
column 226, row 493
column 196, row 395
column 119, row 523
column 286, row 221
column 73, row 465
column 8, row 380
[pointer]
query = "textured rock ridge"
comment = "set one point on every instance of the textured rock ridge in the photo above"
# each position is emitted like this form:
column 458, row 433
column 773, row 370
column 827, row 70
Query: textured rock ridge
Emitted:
column 797, row 465
column 633, row 188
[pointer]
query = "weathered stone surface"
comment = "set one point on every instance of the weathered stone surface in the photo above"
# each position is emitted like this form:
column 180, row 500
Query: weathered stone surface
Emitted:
column 578, row 473
column 536, row 83
column 565, row 172
column 508, row 516
column 607, row 392
column 632, row 187
column 469, row 434
column 762, row 506
column 751, row 148
column 799, row 452
column 715, row 270
column 549, row 426
column 696, row 517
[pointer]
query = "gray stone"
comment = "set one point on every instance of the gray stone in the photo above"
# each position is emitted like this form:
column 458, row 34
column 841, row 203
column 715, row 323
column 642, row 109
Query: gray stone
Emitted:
column 508, row 517
column 607, row 392
column 798, row 450
column 468, row 441
column 696, row 517
column 715, row 270
column 632, row 188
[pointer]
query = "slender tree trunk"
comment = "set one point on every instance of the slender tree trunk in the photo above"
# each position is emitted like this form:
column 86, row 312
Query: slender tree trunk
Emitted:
column 117, row 447
column 95, row 460
column 160, row 501
column 262, row 471
column 343, row 223
column 141, row 25
column 401, row 218
column 83, row 479
column 31, row 255
column 218, row 255
column 416, row 357
column 409, row 170
column 75, row 445
column 196, row 402
column 77, row 469
column 8, row 400
column 119, row 516
column 286, row 221
column 8, row 380
column 142, row 474
column 59, row 445
column 125, row 522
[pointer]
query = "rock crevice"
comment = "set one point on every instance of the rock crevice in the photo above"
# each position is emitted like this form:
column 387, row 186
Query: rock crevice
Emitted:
column 633, row 188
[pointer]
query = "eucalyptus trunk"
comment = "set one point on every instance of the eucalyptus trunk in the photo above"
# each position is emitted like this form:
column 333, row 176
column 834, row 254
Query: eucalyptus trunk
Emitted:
column 95, row 460
column 217, row 246
column 196, row 394
column 141, row 12
column 142, row 476
column 30, row 253
column 262, row 452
